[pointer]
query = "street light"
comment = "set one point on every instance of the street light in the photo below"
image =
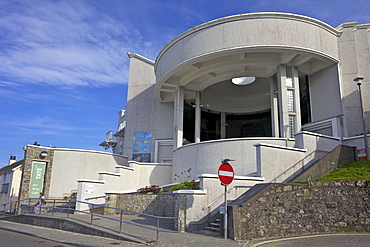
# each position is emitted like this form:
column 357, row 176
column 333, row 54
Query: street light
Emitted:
column 359, row 80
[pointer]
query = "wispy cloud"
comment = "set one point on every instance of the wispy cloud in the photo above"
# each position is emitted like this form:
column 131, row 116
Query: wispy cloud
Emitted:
column 45, row 125
column 61, row 43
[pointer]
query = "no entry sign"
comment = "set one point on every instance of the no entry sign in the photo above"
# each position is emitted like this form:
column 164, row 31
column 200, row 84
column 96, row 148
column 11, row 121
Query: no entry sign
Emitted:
column 226, row 173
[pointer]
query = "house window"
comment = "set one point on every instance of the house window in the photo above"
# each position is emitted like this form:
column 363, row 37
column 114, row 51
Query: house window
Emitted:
column 5, row 186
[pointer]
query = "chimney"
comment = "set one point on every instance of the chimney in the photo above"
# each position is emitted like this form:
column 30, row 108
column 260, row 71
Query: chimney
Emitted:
column 12, row 159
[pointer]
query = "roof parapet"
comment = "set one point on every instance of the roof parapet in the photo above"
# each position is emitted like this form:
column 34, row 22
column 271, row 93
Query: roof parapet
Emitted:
column 142, row 58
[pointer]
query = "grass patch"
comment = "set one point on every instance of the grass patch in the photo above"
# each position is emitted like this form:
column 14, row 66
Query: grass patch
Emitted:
column 359, row 170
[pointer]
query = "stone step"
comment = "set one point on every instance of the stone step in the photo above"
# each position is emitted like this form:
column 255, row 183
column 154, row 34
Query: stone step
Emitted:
column 214, row 229
column 214, row 224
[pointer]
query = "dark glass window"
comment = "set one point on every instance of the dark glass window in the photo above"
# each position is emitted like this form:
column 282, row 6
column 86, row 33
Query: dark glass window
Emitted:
column 304, row 92
column 210, row 126
column 248, row 125
column 189, row 122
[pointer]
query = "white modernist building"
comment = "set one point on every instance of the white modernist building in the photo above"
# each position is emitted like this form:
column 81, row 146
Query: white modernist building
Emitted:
column 265, row 89
column 273, row 91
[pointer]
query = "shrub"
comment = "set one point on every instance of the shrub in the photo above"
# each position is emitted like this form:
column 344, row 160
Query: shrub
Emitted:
column 186, row 185
column 152, row 188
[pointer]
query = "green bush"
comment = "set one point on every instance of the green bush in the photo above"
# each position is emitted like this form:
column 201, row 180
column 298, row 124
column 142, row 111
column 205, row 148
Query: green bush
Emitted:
column 186, row 185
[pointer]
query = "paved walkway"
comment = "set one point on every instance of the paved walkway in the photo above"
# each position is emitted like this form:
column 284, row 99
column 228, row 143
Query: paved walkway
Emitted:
column 138, row 236
column 144, row 237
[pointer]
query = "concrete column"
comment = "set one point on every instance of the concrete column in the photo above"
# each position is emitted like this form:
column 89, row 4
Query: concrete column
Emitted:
column 274, row 107
column 197, row 117
column 297, row 99
column 288, row 84
column 283, row 108
column 179, row 117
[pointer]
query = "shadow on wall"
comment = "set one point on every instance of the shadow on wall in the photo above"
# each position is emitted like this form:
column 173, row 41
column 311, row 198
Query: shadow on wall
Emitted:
column 160, row 174
column 353, row 114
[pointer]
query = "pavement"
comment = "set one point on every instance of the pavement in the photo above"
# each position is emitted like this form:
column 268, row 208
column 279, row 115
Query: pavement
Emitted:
column 138, row 236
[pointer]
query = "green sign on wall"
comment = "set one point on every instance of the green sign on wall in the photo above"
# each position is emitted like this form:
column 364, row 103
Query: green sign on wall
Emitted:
column 37, row 178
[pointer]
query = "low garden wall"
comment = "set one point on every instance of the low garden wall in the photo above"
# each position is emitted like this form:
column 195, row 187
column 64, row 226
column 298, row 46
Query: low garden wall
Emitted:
column 276, row 210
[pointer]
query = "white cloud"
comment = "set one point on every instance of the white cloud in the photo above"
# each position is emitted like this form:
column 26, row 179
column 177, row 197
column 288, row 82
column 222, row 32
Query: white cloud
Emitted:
column 45, row 125
column 62, row 43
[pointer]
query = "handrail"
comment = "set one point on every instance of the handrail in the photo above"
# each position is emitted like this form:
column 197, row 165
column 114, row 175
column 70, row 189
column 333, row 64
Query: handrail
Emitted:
column 94, row 197
column 19, row 206
column 296, row 164
column 228, row 191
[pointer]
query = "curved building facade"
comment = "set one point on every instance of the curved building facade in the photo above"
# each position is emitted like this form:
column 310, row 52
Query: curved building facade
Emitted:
column 266, row 89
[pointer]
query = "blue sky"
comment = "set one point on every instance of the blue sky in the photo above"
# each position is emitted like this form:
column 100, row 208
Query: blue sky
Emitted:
column 64, row 68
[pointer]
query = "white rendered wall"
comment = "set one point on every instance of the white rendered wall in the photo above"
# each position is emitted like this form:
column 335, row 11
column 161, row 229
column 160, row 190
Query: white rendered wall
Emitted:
column 122, row 180
column 325, row 96
column 247, row 31
column 16, row 181
column 205, row 157
column 144, row 113
column 70, row 165
column 354, row 46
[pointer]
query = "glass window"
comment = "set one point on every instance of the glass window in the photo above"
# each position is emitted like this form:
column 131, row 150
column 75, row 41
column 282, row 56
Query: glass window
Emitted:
column 7, row 178
column 290, row 100
column 5, row 185
column 289, row 76
column 248, row 125
column 292, row 125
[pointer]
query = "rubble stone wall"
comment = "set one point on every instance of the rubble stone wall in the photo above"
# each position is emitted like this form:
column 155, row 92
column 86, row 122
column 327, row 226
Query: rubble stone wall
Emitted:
column 296, row 209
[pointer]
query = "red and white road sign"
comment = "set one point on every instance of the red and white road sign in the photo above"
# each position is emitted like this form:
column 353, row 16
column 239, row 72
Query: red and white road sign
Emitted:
column 226, row 173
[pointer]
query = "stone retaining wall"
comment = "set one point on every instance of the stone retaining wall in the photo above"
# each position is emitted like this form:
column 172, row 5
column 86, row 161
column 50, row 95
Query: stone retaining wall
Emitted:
column 163, row 204
column 296, row 209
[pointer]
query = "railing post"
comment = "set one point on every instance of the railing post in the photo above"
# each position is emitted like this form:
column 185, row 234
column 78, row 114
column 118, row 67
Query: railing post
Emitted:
column 4, row 210
column 69, row 204
column 52, row 210
column 17, row 207
column 157, row 230
column 120, row 222
column 92, row 214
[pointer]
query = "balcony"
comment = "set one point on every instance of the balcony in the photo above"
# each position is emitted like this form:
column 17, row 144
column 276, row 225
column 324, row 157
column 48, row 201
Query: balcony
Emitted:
column 110, row 140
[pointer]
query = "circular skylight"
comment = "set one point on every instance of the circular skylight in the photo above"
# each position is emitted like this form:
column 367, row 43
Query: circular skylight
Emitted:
column 240, row 81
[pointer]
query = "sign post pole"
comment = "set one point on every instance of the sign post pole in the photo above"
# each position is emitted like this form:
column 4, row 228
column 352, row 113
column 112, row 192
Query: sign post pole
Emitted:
column 226, row 176
column 225, row 215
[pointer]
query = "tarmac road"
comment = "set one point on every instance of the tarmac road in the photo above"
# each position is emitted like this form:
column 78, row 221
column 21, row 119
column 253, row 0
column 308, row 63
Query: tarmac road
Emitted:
column 144, row 237
column 13, row 239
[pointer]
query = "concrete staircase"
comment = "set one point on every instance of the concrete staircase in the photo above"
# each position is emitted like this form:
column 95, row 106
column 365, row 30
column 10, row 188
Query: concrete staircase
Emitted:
column 215, row 226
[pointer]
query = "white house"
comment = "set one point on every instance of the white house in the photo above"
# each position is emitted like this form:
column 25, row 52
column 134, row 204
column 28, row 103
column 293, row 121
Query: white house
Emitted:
column 10, row 177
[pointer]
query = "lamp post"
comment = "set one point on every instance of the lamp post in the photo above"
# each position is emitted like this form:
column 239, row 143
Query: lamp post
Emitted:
column 359, row 80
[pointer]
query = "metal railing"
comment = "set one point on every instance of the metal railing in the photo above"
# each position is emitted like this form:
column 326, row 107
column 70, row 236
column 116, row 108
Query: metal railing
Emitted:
column 17, row 208
column 301, row 164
